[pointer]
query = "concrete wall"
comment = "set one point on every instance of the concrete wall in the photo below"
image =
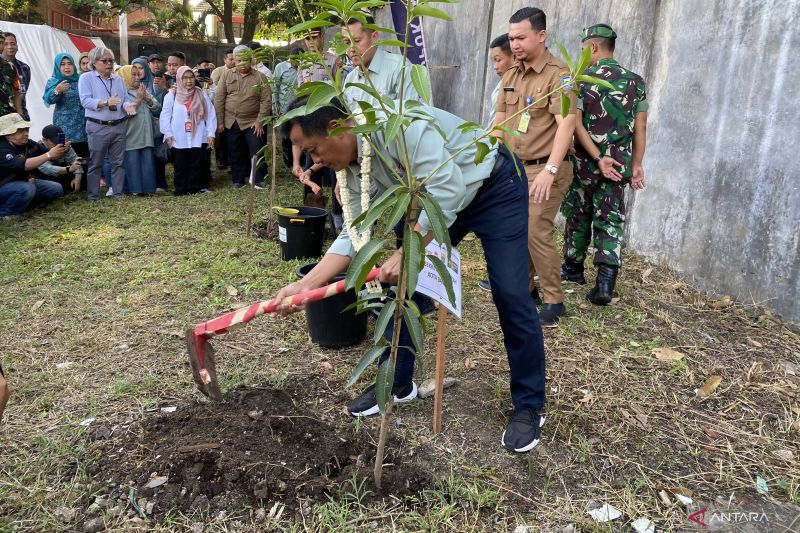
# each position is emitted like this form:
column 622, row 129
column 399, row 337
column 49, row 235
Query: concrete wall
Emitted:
column 722, row 203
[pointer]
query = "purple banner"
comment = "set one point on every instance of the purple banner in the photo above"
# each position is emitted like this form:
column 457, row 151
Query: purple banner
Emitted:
column 415, row 38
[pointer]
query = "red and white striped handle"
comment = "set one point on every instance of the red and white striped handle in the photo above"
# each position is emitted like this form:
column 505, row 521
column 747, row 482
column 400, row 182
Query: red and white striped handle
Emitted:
column 246, row 314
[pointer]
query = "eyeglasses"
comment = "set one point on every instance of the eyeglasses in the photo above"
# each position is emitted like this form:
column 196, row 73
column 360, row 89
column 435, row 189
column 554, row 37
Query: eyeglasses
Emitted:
column 106, row 61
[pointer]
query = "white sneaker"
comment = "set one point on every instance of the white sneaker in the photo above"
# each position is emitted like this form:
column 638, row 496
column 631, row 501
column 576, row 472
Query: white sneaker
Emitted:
column 110, row 192
column 160, row 189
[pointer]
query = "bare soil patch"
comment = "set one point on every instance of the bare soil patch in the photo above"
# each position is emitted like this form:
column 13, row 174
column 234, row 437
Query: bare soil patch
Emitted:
column 255, row 449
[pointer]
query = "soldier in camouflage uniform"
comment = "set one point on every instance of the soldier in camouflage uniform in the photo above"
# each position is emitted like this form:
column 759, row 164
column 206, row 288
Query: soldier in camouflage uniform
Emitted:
column 611, row 139
column 9, row 84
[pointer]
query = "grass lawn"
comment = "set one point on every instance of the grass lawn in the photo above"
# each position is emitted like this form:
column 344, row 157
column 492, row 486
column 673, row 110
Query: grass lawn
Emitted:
column 95, row 299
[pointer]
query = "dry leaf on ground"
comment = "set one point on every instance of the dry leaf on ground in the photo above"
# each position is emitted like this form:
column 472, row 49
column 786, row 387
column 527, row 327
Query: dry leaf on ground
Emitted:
column 469, row 364
column 667, row 354
column 709, row 386
column 231, row 290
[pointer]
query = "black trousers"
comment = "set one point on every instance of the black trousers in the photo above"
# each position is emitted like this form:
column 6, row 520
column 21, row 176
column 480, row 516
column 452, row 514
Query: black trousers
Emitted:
column 161, row 167
column 324, row 177
column 188, row 164
column 242, row 145
column 221, row 149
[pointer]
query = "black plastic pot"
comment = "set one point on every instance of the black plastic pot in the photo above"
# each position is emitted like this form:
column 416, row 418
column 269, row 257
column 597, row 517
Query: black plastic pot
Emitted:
column 301, row 235
column 328, row 326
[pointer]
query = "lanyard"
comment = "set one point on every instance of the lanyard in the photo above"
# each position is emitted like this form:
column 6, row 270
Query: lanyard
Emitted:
column 110, row 85
column 189, row 105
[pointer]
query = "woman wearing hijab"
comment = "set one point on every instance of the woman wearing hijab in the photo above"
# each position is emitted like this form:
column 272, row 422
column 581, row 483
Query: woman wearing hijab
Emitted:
column 61, row 90
column 189, row 123
column 83, row 63
column 140, row 172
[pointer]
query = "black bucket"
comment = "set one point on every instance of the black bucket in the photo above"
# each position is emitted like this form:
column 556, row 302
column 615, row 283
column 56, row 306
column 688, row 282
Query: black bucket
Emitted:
column 327, row 325
column 301, row 235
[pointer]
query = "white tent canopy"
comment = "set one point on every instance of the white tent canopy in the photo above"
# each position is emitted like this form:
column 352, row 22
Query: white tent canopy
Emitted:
column 38, row 46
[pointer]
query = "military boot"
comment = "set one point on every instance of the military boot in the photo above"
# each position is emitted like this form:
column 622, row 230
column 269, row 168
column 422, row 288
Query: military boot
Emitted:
column 572, row 271
column 603, row 291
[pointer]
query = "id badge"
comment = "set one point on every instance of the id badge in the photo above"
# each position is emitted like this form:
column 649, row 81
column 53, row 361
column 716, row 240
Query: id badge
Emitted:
column 524, row 122
column 187, row 126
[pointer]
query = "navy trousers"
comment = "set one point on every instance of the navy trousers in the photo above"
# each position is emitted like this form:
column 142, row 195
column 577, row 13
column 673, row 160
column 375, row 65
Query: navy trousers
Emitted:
column 498, row 215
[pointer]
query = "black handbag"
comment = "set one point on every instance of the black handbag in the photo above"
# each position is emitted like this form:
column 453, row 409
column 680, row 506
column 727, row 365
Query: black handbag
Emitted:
column 164, row 153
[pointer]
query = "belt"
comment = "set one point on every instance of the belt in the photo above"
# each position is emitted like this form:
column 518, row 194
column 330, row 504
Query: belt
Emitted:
column 540, row 161
column 107, row 122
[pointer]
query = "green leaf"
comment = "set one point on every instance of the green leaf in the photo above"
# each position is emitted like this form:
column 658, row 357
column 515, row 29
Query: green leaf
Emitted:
column 362, row 263
column 436, row 218
column 383, row 384
column 508, row 131
column 296, row 112
column 447, row 281
column 481, row 151
column 414, row 329
column 364, row 87
column 565, row 56
column 321, row 97
column 594, row 81
column 309, row 87
column 340, row 130
column 366, row 4
column 421, row 10
column 585, row 59
column 391, row 42
column 413, row 258
column 366, row 360
column 366, row 128
column 386, row 314
column 309, row 25
column 375, row 211
column 393, row 125
column 400, row 207
column 467, row 127
column 565, row 105
column 421, row 80
column 368, row 110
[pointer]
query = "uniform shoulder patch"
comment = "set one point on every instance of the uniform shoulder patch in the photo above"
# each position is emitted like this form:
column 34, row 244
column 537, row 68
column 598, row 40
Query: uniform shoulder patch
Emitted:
column 564, row 80
column 9, row 157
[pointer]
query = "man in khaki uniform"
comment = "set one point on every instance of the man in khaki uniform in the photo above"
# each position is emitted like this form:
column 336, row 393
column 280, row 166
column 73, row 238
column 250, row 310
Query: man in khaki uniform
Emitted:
column 544, row 142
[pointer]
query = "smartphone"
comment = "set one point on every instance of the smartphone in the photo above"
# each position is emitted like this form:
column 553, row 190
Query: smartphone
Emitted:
column 204, row 73
column 62, row 138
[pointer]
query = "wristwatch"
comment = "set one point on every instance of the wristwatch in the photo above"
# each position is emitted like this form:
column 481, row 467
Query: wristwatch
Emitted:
column 598, row 158
column 552, row 169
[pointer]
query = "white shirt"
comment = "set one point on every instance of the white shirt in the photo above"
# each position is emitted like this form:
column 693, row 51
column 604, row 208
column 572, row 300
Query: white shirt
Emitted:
column 263, row 69
column 172, row 123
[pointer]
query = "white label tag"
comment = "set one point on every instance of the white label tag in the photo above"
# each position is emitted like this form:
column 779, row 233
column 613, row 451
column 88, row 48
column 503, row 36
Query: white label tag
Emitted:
column 431, row 284
column 281, row 234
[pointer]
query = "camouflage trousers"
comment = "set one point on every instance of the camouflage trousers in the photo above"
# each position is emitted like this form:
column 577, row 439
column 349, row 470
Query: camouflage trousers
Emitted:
column 594, row 210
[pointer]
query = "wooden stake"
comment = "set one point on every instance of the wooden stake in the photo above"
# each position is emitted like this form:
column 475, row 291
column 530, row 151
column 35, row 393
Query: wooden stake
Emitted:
column 253, row 161
column 271, row 219
column 441, row 332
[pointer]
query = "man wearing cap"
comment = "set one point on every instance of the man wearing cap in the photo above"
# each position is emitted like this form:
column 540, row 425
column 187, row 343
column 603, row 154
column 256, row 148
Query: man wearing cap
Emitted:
column 611, row 131
column 543, row 143
column 20, row 159
column 67, row 171
column 242, row 102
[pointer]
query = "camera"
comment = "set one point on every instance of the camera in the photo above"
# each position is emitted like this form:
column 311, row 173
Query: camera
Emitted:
column 61, row 138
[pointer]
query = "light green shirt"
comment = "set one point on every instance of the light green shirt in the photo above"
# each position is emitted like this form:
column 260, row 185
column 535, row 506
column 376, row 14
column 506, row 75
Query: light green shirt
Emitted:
column 493, row 104
column 385, row 73
column 454, row 186
column 285, row 80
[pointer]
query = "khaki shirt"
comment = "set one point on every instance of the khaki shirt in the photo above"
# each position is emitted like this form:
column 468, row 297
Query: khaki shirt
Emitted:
column 519, row 84
column 242, row 99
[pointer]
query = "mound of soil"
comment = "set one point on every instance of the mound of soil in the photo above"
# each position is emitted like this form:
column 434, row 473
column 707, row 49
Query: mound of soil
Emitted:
column 255, row 448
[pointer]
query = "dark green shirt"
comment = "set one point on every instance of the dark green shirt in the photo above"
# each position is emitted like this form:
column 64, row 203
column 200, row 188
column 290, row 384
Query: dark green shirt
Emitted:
column 609, row 115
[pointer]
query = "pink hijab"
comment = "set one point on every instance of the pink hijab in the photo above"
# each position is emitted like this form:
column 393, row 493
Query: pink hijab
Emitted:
column 184, row 96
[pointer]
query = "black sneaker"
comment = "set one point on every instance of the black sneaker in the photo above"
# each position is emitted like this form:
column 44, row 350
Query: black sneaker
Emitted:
column 484, row 285
column 550, row 313
column 237, row 185
column 537, row 300
column 367, row 403
column 523, row 431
